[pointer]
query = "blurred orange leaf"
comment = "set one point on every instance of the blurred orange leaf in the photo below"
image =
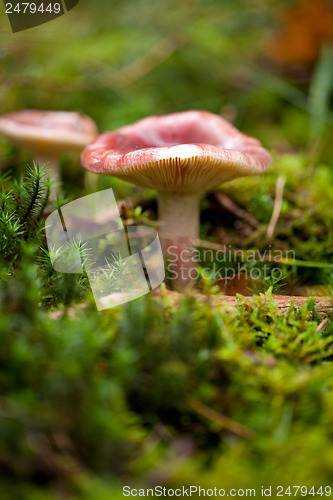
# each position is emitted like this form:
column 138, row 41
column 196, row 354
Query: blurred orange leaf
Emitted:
column 305, row 27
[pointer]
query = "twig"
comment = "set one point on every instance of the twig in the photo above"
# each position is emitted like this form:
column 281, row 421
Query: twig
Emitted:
column 269, row 256
column 277, row 206
column 321, row 327
column 221, row 420
column 227, row 203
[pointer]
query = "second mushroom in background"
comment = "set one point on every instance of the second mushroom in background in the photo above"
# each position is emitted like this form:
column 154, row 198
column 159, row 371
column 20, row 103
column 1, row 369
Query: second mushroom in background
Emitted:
column 49, row 134
column 181, row 155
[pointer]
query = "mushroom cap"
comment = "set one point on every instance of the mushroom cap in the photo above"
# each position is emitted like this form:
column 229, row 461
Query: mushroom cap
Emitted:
column 190, row 151
column 48, row 132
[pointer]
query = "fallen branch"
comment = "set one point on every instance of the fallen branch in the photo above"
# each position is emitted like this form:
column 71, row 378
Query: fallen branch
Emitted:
column 283, row 302
column 323, row 305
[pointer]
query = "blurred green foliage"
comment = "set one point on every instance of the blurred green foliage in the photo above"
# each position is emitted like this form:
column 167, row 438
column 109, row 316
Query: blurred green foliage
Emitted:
column 156, row 391
column 124, row 61
column 90, row 401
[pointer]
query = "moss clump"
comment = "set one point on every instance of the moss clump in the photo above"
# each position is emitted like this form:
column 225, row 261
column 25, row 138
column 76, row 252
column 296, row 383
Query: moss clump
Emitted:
column 152, row 389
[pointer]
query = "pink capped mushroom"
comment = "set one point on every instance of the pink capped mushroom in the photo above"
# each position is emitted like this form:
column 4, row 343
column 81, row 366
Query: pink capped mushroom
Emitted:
column 48, row 134
column 181, row 155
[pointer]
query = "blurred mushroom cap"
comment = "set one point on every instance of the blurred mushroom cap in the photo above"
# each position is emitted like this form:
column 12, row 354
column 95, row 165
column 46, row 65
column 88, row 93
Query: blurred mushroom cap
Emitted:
column 190, row 151
column 48, row 132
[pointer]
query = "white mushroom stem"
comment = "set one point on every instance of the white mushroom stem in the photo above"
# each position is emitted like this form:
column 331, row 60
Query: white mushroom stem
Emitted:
column 90, row 181
column 51, row 165
column 179, row 224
